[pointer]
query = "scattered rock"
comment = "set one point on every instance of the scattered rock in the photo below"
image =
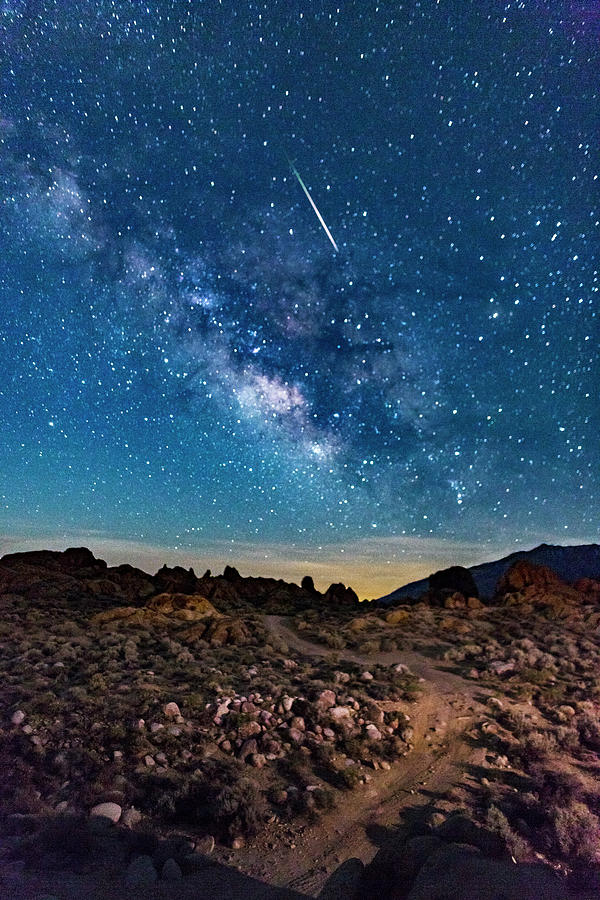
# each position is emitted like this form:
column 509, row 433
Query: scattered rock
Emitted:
column 205, row 845
column 17, row 717
column 248, row 748
column 325, row 700
column 340, row 712
column 131, row 817
column 110, row 811
column 402, row 669
column 373, row 733
column 248, row 729
column 171, row 710
column 501, row 667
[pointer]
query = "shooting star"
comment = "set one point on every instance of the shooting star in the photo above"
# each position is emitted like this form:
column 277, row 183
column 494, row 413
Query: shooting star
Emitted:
column 312, row 203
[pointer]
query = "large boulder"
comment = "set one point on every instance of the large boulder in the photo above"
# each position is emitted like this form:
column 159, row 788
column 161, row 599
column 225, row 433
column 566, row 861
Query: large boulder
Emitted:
column 307, row 584
column 344, row 882
column 161, row 610
column 457, row 872
column 218, row 632
column 452, row 580
column 126, row 615
column 338, row 594
column 189, row 607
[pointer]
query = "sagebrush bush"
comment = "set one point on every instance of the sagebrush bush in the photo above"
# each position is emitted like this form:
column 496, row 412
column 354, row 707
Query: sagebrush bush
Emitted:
column 537, row 745
column 515, row 845
column 577, row 831
column 589, row 729
column 239, row 808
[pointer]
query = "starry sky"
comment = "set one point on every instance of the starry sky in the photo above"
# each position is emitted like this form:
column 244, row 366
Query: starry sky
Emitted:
column 189, row 371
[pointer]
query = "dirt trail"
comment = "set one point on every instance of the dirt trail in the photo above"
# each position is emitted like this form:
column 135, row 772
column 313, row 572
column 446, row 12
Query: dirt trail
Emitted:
column 446, row 682
column 368, row 818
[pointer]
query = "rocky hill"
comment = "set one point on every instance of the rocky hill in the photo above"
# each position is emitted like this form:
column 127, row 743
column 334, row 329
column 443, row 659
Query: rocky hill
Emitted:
column 569, row 563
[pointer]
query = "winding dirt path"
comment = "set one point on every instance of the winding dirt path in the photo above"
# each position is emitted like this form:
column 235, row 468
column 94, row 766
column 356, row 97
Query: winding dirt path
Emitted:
column 368, row 818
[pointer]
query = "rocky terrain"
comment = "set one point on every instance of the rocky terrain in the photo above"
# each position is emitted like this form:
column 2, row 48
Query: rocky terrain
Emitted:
column 173, row 736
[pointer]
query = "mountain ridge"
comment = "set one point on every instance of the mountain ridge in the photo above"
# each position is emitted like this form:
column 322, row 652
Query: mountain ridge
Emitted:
column 570, row 562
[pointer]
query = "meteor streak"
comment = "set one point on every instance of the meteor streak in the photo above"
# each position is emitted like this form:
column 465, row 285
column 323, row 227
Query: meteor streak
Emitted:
column 312, row 203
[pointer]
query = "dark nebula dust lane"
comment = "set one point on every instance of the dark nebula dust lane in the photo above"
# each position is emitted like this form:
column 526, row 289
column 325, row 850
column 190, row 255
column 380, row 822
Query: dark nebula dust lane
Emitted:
column 187, row 362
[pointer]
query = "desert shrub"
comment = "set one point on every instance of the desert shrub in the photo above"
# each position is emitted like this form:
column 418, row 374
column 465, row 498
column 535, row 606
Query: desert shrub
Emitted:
column 577, row 831
column 516, row 721
column 46, row 704
column 324, row 798
column 78, row 694
column 350, row 777
column 353, row 747
column 97, row 683
column 239, row 808
column 589, row 729
column 20, row 782
column 514, row 843
column 537, row 745
column 369, row 646
column 335, row 640
column 537, row 676
column 556, row 787
column 553, row 694
column 567, row 738
column 388, row 645
column 130, row 650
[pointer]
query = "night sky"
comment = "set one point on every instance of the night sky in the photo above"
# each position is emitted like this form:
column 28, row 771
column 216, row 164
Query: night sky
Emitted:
column 189, row 371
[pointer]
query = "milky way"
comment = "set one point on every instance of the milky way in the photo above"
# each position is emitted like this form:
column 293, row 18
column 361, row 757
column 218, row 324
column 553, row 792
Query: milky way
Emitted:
column 186, row 362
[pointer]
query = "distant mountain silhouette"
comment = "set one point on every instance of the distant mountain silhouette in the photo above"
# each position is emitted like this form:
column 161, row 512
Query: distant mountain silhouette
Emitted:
column 569, row 563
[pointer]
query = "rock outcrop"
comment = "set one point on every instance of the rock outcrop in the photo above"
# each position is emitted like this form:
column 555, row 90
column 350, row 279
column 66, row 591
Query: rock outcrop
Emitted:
column 452, row 580
column 76, row 576
column 526, row 584
column 337, row 594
